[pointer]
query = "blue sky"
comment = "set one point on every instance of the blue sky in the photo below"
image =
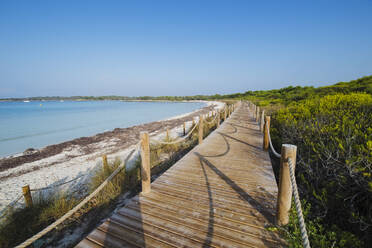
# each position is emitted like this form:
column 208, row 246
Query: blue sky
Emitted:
column 180, row 47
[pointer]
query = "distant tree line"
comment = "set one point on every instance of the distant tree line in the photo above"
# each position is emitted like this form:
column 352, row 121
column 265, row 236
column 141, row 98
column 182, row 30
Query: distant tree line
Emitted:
column 265, row 97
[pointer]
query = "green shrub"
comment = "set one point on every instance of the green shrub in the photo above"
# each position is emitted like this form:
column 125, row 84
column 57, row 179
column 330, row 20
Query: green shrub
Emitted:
column 320, row 235
column 333, row 135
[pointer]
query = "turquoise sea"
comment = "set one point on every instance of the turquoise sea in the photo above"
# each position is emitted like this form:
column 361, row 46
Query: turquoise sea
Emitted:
column 37, row 124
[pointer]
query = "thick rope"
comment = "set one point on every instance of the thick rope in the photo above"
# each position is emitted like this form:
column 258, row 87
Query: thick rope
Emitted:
column 58, row 185
column 14, row 202
column 272, row 147
column 305, row 238
column 212, row 121
column 77, row 207
column 178, row 140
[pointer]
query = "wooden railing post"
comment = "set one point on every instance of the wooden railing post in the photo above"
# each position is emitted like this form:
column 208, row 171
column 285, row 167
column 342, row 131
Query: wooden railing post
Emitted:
column 255, row 111
column 266, row 133
column 168, row 137
column 105, row 163
column 201, row 126
column 285, row 190
column 145, row 165
column 262, row 121
column 184, row 128
column 27, row 195
column 257, row 114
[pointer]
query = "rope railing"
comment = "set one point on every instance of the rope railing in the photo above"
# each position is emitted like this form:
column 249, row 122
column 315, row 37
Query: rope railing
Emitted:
column 304, row 237
column 14, row 202
column 285, row 157
column 181, row 139
column 77, row 207
column 57, row 185
column 213, row 120
column 10, row 205
column 272, row 147
column 178, row 140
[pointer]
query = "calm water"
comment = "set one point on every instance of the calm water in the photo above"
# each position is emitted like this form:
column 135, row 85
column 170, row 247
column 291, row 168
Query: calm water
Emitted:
column 38, row 124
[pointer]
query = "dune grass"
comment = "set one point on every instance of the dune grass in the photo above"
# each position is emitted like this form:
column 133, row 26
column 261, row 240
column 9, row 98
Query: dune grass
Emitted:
column 22, row 223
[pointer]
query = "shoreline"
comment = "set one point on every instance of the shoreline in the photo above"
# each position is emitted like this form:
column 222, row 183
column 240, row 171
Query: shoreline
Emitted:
column 97, row 100
column 33, row 150
column 62, row 162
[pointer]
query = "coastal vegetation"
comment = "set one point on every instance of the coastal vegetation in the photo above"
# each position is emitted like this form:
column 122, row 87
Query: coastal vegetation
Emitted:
column 332, row 129
column 262, row 97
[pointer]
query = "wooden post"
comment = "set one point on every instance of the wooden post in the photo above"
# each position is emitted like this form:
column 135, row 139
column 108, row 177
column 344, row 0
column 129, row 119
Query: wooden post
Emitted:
column 184, row 128
column 255, row 111
column 257, row 114
column 104, row 162
column 168, row 137
column 27, row 195
column 266, row 133
column 200, row 129
column 145, row 165
column 285, row 190
column 262, row 122
column 218, row 118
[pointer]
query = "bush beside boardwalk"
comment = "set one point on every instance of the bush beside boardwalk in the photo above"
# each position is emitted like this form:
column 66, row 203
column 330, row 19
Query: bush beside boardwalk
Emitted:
column 333, row 136
column 332, row 127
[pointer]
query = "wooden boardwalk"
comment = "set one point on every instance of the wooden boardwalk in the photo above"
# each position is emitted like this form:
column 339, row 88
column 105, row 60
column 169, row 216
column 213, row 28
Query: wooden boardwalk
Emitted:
column 221, row 194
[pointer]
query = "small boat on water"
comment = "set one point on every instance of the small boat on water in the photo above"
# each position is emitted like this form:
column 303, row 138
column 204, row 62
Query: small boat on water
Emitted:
column 26, row 101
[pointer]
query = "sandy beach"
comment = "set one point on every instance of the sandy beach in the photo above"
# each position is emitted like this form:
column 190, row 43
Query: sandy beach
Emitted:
column 78, row 158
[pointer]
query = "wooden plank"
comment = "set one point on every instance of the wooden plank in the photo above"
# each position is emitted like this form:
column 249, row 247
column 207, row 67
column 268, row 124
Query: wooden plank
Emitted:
column 155, row 230
column 232, row 233
column 86, row 243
